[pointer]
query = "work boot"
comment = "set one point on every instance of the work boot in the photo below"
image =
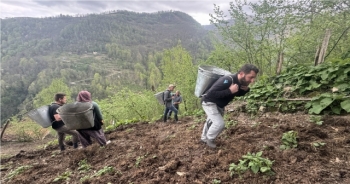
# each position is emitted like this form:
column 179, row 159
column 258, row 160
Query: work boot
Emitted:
column 75, row 145
column 176, row 119
column 202, row 141
column 62, row 148
column 211, row 143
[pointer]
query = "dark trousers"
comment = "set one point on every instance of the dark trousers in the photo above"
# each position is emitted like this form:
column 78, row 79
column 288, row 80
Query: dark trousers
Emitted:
column 166, row 111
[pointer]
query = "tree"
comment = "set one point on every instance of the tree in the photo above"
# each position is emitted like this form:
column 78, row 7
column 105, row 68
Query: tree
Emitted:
column 46, row 96
column 178, row 69
column 256, row 37
column 259, row 32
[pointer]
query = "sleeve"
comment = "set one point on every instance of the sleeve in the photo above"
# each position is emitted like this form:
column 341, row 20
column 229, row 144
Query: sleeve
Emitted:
column 98, row 114
column 166, row 96
column 52, row 111
column 220, row 88
column 242, row 92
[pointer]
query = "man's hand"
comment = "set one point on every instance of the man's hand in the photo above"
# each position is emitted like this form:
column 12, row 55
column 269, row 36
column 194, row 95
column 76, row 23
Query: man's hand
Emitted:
column 233, row 88
column 245, row 88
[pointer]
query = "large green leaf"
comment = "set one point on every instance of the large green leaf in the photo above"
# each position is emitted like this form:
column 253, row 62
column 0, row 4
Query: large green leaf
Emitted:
column 345, row 105
column 255, row 169
column 336, row 109
column 313, row 85
column 319, row 105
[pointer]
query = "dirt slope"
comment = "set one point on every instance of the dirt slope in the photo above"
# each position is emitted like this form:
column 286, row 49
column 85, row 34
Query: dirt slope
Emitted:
column 171, row 153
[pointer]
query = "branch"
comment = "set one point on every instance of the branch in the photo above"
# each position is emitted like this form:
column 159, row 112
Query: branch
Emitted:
column 338, row 41
column 298, row 99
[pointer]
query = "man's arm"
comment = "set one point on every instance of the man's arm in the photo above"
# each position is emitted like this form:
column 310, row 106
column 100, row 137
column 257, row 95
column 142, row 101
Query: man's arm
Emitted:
column 166, row 96
column 222, row 88
column 53, row 111
column 57, row 117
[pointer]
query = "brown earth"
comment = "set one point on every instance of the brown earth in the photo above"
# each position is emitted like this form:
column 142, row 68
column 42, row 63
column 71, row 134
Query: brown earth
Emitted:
column 171, row 153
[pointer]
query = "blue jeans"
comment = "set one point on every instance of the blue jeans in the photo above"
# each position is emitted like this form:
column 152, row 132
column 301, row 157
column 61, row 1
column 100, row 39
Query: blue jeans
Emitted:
column 166, row 111
column 170, row 111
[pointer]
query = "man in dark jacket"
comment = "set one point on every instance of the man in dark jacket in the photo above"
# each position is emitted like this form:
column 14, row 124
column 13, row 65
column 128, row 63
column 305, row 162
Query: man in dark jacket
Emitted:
column 57, row 123
column 176, row 102
column 219, row 95
column 168, row 102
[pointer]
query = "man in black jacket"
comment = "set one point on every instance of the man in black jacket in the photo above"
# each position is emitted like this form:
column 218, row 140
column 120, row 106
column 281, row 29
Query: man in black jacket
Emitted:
column 57, row 123
column 168, row 102
column 219, row 95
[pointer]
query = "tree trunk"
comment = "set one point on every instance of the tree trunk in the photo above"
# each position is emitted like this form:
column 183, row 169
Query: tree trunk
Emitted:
column 3, row 130
column 279, row 63
column 321, row 51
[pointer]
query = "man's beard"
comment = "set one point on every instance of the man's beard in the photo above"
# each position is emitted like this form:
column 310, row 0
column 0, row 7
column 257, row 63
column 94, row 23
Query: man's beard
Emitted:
column 243, row 82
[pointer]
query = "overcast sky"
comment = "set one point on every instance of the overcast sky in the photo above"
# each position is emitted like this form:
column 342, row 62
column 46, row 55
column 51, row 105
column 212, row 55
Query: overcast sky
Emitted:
column 198, row 9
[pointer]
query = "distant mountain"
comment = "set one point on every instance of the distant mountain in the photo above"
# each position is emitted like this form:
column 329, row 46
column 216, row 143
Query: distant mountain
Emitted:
column 32, row 48
column 91, row 32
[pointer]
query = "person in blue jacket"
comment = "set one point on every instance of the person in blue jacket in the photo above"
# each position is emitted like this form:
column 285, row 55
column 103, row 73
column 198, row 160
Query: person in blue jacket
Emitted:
column 225, row 89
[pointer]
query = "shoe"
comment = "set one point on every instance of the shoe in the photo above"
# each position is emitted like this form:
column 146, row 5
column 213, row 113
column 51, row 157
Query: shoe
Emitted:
column 75, row 145
column 211, row 143
column 203, row 141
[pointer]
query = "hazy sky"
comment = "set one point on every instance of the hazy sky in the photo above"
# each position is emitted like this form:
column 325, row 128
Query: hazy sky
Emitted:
column 198, row 9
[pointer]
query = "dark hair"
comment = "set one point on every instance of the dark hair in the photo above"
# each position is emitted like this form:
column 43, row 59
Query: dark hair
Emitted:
column 58, row 96
column 247, row 68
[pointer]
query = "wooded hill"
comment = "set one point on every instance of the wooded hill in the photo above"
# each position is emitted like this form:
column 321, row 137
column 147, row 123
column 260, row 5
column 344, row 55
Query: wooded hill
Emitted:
column 105, row 48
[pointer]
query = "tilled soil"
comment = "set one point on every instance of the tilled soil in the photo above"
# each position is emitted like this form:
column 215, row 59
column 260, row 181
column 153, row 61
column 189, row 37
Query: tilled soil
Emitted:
column 171, row 152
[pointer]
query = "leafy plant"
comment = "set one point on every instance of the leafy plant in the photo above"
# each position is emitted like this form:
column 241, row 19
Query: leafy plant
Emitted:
column 105, row 170
column 254, row 162
column 138, row 160
column 63, row 177
column 318, row 144
column 18, row 171
column 301, row 82
column 84, row 166
column 23, row 136
column 51, row 143
column 316, row 119
column 84, row 179
column 216, row 181
column 289, row 140
column 230, row 123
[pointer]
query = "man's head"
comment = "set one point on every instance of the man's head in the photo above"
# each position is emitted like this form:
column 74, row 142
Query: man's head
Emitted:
column 60, row 98
column 171, row 87
column 247, row 74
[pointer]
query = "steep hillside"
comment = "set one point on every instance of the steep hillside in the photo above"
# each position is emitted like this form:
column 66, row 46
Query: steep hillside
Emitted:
column 37, row 50
column 171, row 153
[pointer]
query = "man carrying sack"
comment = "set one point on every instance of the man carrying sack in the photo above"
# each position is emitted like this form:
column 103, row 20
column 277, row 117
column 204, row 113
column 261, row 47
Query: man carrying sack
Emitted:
column 219, row 95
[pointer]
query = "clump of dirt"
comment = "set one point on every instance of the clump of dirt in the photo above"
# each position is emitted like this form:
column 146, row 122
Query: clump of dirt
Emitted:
column 172, row 153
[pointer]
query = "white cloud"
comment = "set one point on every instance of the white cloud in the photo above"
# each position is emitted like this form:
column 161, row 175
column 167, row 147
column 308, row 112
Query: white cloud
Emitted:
column 198, row 9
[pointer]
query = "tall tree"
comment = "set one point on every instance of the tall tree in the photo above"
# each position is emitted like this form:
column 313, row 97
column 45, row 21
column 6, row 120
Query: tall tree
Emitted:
column 178, row 69
column 46, row 96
